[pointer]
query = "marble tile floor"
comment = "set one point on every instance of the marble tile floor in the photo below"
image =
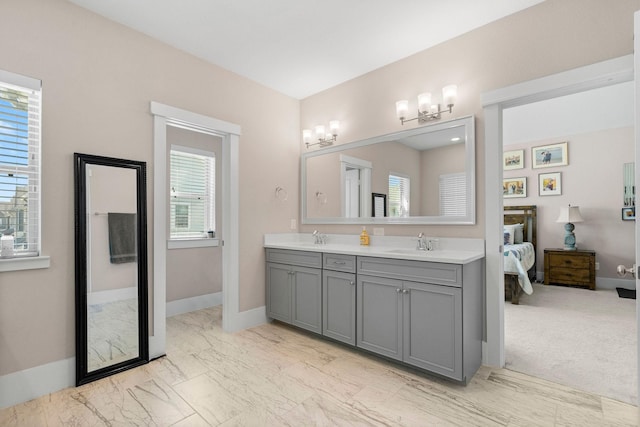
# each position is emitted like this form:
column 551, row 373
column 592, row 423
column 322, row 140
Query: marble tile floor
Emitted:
column 274, row 375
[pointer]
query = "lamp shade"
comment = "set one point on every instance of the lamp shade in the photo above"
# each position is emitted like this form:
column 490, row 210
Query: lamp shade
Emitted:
column 570, row 214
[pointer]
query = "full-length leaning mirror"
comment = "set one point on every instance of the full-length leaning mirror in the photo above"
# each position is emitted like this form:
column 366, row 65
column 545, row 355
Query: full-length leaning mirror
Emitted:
column 427, row 175
column 111, row 266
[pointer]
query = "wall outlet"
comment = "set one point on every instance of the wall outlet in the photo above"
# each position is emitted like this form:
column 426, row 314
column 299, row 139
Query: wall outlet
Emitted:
column 294, row 224
column 378, row 231
column 597, row 265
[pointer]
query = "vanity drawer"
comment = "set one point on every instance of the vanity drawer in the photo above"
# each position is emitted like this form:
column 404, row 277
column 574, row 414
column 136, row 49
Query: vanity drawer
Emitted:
column 292, row 257
column 416, row 271
column 337, row 262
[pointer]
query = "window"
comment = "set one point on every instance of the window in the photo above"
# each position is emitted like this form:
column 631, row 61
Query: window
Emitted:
column 192, row 192
column 453, row 194
column 20, row 161
column 399, row 193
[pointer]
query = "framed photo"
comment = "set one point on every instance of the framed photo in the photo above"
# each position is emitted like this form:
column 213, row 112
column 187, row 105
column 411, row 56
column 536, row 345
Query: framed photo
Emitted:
column 379, row 205
column 629, row 214
column 513, row 160
column 514, row 187
column 549, row 184
column 548, row 156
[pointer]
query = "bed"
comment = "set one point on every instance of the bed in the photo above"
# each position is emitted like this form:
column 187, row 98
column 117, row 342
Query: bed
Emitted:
column 519, row 251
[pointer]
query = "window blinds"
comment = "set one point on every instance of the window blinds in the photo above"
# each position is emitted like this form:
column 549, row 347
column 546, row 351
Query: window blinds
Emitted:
column 192, row 192
column 399, row 191
column 20, row 125
column 453, row 194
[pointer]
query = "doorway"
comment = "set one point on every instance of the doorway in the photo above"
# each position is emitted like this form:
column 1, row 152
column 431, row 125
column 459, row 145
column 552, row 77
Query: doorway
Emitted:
column 576, row 337
column 164, row 116
column 602, row 74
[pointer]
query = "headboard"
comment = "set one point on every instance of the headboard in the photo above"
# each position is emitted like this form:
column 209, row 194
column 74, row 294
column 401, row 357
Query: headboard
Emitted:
column 526, row 215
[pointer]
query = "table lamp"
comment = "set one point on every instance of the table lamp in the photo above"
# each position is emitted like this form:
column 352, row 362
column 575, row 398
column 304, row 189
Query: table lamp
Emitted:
column 569, row 215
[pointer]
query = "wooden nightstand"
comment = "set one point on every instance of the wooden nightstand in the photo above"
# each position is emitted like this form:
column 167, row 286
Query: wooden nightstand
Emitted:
column 574, row 268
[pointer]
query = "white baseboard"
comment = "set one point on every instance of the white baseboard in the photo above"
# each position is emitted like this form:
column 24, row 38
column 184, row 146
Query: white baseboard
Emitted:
column 112, row 295
column 250, row 318
column 31, row 383
column 602, row 282
column 613, row 282
column 187, row 305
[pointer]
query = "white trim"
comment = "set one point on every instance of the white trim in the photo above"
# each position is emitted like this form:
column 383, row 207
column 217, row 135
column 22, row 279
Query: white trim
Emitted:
column 187, row 305
column 20, row 80
column 26, row 263
column 593, row 76
column 250, row 318
column 192, row 150
column 165, row 115
column 192, row 243
column 636, row 84
column 112, row 295
column 22, row 386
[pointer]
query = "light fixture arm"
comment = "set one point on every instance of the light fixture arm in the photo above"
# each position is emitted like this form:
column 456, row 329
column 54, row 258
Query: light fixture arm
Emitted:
column 323, row 142
column 426, row 116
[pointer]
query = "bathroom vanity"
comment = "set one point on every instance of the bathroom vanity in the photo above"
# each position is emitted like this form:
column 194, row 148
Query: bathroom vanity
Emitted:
column 419, row 308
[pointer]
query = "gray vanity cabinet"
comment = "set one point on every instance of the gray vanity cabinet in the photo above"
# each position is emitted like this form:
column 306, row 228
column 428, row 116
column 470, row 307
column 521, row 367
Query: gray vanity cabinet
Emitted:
column 419, row 313
column 294, row 288
column 339, row 297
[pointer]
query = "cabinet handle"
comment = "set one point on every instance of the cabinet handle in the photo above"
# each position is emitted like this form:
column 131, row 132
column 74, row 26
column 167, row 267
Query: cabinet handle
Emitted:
column 339, row 262
column 405, row 291
column 352, row 283
column 398, row 290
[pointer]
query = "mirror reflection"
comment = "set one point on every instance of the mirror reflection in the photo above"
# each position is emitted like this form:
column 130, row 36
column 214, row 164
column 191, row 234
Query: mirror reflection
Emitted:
column 111, row 266
column 427, row 175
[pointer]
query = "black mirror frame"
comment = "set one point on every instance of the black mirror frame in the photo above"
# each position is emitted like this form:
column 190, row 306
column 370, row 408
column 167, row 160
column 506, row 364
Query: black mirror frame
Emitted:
column 80, row 163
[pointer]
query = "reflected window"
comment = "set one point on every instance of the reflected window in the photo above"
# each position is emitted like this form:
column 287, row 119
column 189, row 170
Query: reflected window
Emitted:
column 399, row 191
column 20, row 162
column 192, row 192
column 453, row 194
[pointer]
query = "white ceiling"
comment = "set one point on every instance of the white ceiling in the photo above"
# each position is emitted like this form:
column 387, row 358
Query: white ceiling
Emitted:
column 609, row 107
column 301, row 47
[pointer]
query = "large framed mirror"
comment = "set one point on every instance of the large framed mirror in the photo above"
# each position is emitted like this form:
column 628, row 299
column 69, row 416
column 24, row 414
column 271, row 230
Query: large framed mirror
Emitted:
column 111, row 266
column 426, row 173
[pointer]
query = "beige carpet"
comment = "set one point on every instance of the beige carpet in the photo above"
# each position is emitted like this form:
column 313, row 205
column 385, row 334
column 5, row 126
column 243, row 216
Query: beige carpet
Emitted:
column 576, row 337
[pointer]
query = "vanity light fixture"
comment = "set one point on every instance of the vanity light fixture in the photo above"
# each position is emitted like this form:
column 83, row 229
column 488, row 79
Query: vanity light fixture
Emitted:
column 426, row 110
column 324, row 138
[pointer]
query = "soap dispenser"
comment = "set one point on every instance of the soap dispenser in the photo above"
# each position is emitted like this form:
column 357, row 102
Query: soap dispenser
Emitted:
column 364, row 237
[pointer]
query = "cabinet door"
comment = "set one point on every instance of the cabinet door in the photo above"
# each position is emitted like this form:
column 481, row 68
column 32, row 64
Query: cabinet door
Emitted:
column 307, row 298
column 379, row 312
column 433, row 328
column 279, row 292
column 339, row 306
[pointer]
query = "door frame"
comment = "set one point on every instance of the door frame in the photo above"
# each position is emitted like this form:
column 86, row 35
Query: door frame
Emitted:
column 164, row 115
column 601, row 74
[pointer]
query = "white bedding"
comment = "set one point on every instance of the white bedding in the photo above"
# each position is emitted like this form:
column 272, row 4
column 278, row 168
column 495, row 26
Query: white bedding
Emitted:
column 519, row 258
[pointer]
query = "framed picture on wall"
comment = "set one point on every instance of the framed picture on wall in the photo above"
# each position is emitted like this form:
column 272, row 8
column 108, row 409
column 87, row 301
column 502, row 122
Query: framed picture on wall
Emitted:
column 514, row 187
column 513, row 160
column 629, row 214
column 550, row 184
column 548, row 156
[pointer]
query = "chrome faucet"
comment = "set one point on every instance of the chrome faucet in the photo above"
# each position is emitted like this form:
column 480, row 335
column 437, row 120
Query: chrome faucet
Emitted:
column 422, row 242
column 319, row 238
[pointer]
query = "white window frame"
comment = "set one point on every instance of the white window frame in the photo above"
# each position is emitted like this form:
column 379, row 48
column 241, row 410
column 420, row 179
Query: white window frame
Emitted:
column 34, row 258
column 407, row 178
column 182, row 242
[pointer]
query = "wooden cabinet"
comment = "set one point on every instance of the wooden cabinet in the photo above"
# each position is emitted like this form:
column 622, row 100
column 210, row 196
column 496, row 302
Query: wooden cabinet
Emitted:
column 294, row 288
column 574, row 268
column 339, row 297
column 429, row 321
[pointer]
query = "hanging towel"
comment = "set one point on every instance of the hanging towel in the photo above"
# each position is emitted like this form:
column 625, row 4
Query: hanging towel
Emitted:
column 122, row 237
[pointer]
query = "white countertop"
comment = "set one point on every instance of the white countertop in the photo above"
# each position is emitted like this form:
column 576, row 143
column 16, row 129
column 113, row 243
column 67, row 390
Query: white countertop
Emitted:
column 450, row 250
